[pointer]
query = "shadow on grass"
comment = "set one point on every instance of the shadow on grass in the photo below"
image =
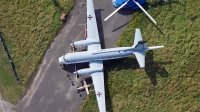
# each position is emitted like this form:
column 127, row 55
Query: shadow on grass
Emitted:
column 117, row 65
column 121, row 64
column 109, row 105
column 152, row 68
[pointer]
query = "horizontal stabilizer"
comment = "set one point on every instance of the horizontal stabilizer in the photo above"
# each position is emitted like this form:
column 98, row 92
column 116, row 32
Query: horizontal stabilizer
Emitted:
column 140, row 56
column 154, row 47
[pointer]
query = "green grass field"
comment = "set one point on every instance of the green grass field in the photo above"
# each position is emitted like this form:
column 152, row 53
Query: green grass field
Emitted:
column 28, row 28
column 170, row 81
column 9, row 88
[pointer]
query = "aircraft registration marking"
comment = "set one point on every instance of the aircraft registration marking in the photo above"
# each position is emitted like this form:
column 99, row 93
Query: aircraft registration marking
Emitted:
column 99, row 94
column 90, row 17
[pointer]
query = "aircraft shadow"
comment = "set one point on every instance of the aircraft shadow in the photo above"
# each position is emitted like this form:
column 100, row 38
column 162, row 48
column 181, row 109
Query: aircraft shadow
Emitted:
column 109, row 105
column 121, row 64
column 100, row 27
column 116, row 64
column 71, row 68
column 152, row 68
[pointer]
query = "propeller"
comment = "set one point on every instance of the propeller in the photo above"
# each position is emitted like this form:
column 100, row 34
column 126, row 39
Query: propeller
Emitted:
column 137, row 5
column 73, row 47
column 76, row 74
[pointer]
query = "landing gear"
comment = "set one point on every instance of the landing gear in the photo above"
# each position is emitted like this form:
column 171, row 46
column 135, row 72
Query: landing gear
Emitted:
column 73, row 48
column 62, row 65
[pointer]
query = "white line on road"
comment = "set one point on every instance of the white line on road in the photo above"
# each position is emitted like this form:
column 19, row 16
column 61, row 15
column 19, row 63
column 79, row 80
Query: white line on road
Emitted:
column 2, row 105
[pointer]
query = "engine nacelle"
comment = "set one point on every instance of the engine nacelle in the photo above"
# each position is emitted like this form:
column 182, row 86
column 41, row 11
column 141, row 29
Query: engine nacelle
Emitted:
column 83, row 43
column 87, row 71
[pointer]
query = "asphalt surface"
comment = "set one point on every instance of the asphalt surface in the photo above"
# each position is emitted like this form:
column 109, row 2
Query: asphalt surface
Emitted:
column 55, row 89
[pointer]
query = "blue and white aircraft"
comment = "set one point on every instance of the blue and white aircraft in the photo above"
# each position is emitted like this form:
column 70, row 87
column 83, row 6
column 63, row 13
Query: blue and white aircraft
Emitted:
column 134, row 4
column 130, row 3
column 95, row 55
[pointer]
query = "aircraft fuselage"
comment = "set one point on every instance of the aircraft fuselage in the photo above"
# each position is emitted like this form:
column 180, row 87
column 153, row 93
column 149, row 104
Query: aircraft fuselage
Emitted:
column 104, row 54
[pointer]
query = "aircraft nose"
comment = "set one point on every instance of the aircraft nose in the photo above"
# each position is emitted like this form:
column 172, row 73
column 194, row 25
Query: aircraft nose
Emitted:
column 60, row 60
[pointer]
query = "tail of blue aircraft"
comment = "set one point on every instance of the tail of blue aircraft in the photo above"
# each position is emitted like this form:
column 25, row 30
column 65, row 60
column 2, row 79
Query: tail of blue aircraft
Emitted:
column 140, row 44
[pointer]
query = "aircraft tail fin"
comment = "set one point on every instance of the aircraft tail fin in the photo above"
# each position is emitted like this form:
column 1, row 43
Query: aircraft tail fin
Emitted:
column 138, row 37
column 140, row 46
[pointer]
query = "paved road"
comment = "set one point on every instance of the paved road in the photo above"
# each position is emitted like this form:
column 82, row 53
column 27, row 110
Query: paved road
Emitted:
column 52, row 89
column 4, row 105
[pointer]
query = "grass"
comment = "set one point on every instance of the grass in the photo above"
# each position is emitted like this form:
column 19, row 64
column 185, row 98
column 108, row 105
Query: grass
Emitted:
column 28, row 28
column 8, row 87
column 170, row 81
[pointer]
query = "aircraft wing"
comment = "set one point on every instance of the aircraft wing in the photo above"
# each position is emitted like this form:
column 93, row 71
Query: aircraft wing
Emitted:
column 92, row 30
column 98, row 82
column 138, row 36
column 97, row 77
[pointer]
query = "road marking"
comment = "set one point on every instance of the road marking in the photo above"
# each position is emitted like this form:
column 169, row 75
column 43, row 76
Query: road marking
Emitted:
column 2, row 105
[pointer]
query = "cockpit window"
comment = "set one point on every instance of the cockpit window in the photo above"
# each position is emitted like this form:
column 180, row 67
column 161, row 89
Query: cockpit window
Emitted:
column 64, row 58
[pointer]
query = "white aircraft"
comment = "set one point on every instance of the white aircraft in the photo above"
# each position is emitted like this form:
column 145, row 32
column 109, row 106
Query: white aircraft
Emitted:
column 95, row 55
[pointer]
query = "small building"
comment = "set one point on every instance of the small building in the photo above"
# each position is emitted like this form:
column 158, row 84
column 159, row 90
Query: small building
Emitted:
column 62, row 17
